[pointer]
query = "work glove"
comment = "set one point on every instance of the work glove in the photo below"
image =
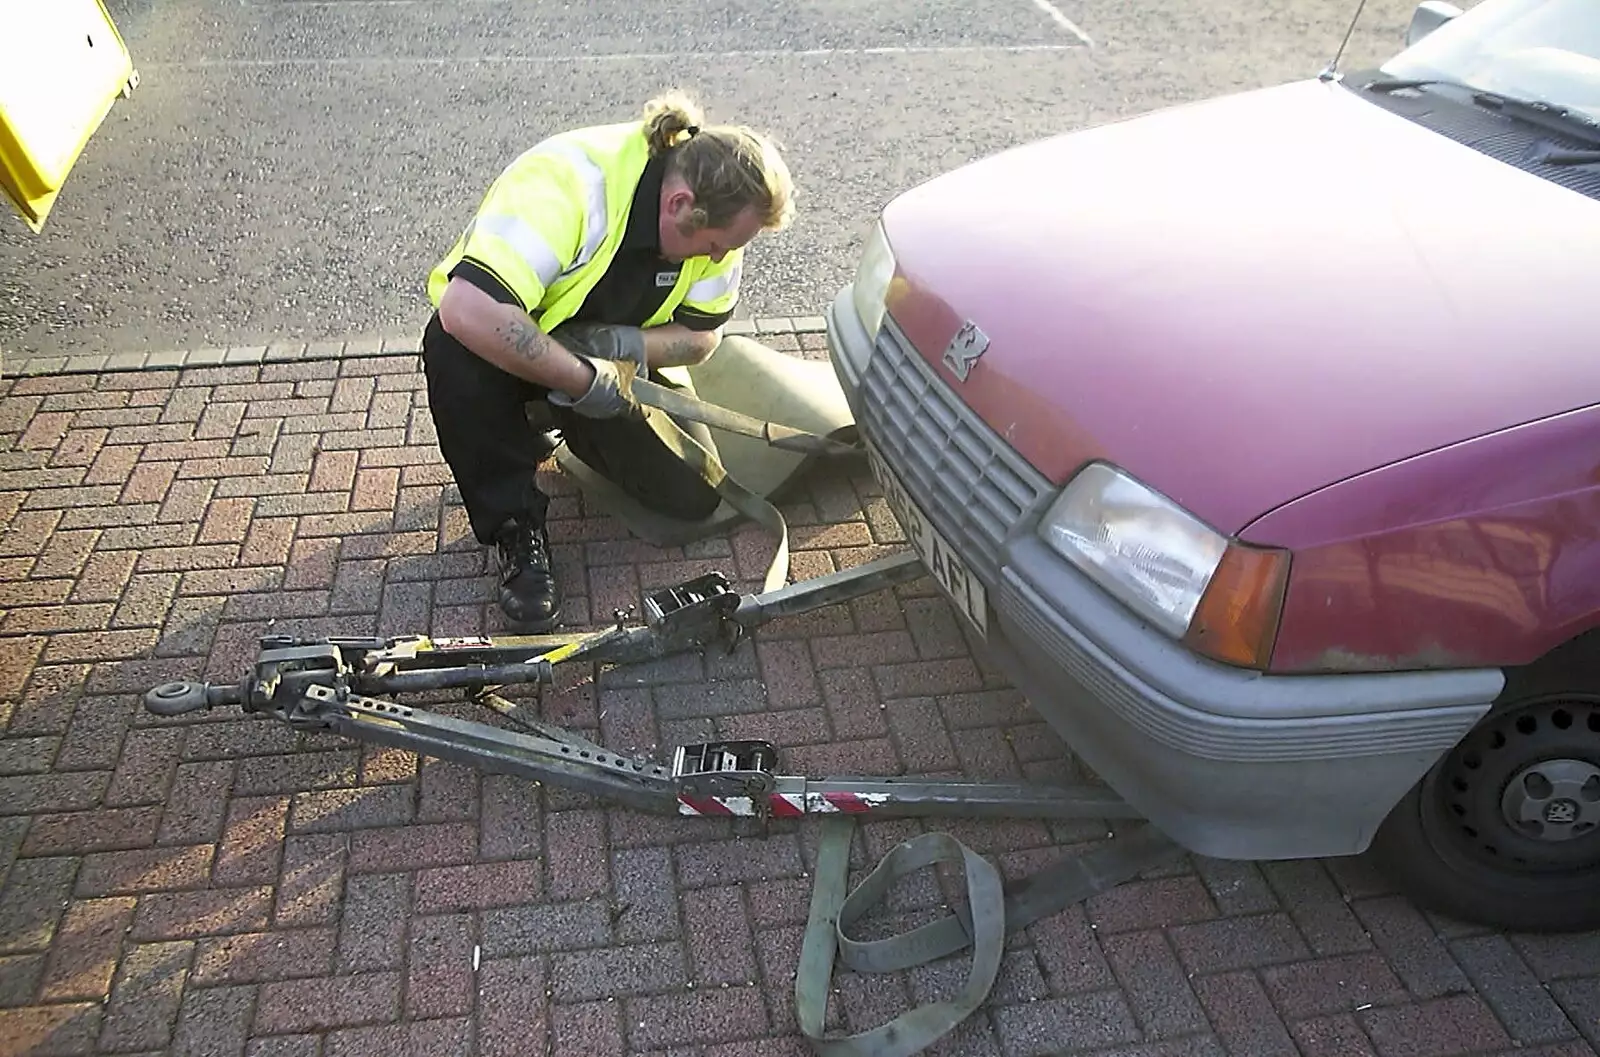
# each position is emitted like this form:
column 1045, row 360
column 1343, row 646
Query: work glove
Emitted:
column 606, row 341
column 608, row 395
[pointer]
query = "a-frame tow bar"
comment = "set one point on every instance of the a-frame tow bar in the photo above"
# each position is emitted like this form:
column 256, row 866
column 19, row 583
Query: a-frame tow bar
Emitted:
column 345, row 685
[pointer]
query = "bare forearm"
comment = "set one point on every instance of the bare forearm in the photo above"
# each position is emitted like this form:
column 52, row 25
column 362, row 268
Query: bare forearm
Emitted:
column 507, row 337
column 675, row 345
column 517, row 345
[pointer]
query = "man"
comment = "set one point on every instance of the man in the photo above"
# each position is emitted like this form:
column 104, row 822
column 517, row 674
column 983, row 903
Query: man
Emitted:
column 598, row 254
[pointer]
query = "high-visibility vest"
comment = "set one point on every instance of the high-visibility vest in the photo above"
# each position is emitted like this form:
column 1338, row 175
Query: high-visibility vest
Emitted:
column 550, row 225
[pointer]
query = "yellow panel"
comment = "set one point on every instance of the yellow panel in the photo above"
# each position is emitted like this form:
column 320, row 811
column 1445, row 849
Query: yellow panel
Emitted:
column 62, row 66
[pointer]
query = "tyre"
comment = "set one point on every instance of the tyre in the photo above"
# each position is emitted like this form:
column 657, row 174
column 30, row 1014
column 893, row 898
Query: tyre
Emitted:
column 1504, row 830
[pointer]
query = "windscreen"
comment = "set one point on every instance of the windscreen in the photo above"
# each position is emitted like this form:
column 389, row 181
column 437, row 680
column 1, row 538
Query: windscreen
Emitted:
column 1545, row 50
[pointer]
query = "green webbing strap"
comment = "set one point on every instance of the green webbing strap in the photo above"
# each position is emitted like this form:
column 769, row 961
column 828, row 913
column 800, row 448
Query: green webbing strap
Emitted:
column 740, row 498
column 832, row 912
column 990, row 915
column 691, row 407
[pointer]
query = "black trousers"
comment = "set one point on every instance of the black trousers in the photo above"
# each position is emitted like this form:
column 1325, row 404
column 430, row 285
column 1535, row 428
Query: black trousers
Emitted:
column 481, row 416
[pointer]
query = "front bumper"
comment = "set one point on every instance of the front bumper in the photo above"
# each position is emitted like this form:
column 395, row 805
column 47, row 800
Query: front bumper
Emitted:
column 1230, row 763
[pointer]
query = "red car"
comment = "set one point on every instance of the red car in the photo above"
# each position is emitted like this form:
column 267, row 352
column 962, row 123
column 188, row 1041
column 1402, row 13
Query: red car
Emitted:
column 1259, row 440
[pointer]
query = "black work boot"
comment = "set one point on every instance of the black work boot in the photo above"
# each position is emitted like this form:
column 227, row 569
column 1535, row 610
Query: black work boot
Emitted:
column 529, row 593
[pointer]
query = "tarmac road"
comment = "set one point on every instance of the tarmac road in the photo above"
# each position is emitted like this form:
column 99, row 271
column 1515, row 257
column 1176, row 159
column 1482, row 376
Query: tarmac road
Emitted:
column 290, row 170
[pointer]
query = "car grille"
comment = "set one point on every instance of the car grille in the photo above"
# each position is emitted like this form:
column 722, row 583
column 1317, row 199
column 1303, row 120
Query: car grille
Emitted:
column 972, row 483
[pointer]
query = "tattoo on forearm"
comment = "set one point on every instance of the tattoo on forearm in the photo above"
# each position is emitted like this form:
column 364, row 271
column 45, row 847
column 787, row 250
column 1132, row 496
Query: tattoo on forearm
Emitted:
column 527, row 340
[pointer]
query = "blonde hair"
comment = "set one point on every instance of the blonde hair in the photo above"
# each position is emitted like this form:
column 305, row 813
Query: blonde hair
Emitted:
column 727, row 167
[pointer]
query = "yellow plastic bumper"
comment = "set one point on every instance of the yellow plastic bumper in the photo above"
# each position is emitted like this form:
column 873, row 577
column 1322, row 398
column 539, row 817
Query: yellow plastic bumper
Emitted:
column 62, row 66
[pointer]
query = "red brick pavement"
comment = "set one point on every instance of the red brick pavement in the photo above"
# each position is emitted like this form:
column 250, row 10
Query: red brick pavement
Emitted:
column 225, row 886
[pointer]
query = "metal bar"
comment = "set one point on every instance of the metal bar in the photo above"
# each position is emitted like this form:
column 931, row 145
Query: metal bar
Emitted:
column 793, row 797
column 477, row 650
column 308, row 685
column 829, row 589
column 419, row 665
column 468, row 675
column 968, row 799
column 639, row 784
column 417, row 654
column 637, row 644
column 570, row 762
column 492, row 661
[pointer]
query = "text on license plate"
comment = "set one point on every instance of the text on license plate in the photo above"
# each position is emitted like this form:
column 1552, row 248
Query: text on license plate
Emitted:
column 952, row 574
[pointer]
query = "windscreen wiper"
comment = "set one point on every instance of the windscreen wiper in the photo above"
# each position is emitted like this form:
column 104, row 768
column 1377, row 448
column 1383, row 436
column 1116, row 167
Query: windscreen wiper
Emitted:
column 1552, row 116
column 1547, row 155
column 1395, row 84
column 1547, row 115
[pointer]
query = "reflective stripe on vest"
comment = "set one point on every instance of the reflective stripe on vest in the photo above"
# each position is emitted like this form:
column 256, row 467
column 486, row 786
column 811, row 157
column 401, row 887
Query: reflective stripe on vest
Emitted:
column 529, row 244
column 594, row 183
column 715, row 286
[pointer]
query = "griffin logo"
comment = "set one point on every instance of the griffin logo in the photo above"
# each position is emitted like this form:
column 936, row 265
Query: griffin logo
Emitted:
column 961, row 355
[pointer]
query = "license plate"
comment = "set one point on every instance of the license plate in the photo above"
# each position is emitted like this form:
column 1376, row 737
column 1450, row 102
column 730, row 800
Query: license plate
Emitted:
column 951, row 573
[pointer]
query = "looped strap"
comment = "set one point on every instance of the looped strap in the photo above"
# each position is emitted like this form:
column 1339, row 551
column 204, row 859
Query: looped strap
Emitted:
column 983, row 924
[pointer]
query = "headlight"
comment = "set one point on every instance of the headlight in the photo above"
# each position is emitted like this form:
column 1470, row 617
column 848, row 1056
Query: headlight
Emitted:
column 1139, row 546
column 1220, row 597
column 873, row 276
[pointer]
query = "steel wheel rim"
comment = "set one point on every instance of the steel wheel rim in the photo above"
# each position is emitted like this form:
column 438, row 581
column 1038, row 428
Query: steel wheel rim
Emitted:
column 1500, row 801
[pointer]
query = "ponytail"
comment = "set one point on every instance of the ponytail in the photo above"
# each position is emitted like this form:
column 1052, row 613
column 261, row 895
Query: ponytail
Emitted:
column 728, row 167
column 668, row 118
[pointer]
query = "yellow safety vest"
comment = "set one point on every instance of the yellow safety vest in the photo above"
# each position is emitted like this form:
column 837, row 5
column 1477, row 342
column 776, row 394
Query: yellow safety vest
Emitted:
column 550, row 225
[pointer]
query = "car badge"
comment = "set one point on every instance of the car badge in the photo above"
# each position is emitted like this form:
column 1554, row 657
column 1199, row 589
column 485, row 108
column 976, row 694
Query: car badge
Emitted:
column 961, row 355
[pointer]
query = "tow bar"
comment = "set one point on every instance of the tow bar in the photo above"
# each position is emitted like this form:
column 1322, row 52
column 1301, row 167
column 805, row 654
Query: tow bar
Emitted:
column 343, row 685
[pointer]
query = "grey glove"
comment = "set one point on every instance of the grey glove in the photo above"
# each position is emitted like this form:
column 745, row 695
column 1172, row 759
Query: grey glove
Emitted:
column 607, row 396
column 605, row 341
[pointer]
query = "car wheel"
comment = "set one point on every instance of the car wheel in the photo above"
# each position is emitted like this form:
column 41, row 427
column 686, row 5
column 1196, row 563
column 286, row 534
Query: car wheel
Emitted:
column 1504, row 831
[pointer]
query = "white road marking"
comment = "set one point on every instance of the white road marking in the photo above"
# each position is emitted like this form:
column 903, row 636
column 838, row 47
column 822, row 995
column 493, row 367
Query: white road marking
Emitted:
column 1063, row 21
column 633, row 56
column 1051, row 10
column 356, row 3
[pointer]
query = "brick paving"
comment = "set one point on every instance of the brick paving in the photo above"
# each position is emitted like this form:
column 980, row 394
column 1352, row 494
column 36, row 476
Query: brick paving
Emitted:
column 225, row 886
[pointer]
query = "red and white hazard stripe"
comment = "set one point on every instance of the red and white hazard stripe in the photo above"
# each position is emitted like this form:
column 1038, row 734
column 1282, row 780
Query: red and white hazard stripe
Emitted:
column 782, row 805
